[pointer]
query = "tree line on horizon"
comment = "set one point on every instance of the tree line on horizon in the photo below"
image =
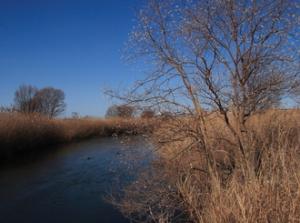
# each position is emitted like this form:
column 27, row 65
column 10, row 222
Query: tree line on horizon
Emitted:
column 47, row 101
column 128, row 111
column 50, row 102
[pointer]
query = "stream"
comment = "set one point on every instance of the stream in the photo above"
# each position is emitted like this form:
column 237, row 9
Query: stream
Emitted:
column 70, row 183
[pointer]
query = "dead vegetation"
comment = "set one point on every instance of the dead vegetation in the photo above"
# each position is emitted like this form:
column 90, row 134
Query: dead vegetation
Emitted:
column 179, row 187
column 21, row 133
column 226, row 67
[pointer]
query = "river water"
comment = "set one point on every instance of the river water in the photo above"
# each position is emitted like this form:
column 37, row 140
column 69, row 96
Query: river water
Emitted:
column 69, row 183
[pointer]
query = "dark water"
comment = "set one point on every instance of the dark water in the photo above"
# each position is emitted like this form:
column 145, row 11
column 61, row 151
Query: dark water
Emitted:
column 69, row 183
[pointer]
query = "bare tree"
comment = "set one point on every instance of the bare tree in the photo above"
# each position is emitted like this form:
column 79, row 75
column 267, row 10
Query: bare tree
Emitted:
column 75, row 115
column 296, row 92
column 50, row 101
column 7, row 109
column 24, row 100
column 112, row 111
column 236, row 57
column 123, row 111
column 47, row 101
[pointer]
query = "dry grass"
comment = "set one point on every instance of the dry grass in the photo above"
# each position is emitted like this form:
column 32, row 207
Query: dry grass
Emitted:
column 21, row 133
column 178, row 188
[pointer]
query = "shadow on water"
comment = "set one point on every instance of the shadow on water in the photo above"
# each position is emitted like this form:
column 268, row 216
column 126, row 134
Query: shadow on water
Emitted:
column 69, row 183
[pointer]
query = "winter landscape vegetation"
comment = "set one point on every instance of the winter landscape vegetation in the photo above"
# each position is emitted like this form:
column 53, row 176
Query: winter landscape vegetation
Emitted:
column 210, row 132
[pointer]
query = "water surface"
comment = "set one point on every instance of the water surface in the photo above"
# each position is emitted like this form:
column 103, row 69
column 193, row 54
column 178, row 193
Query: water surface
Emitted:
column 67, row 184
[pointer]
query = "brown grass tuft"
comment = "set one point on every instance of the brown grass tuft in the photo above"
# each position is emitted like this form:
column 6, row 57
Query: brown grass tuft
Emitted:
column 178, row 188
column 21, row 133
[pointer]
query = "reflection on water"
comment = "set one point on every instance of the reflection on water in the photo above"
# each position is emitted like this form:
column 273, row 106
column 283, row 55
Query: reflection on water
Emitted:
column 68, row 183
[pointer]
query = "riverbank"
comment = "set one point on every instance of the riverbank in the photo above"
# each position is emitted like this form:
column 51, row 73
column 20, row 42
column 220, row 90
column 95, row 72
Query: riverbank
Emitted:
column 20, row 134
column 263, row 186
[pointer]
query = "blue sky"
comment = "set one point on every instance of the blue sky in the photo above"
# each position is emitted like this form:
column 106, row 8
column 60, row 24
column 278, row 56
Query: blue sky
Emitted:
column 74, row 45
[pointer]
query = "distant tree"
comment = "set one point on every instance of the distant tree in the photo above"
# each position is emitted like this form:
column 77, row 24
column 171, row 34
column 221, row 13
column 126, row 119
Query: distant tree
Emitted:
column 50, row 101
column 47, row 101
column 112, row 111
column 147, row 113
column 7, row 109
column 24, row 100
column 296, row 93
column 75, row 115
column 124, row 111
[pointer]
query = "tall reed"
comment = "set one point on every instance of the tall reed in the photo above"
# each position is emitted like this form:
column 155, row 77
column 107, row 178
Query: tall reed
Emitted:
column 21, row 133
column 178, row 188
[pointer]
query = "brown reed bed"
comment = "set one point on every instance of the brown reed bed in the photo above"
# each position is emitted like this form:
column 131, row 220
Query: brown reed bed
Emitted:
column 22, row 133
column 179, row 189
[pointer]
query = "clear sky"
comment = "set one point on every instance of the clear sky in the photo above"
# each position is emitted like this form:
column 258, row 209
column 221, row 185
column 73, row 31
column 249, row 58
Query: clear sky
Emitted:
column 74, row 45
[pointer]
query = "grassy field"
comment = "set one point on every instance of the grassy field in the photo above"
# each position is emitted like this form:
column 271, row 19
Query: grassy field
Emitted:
column 21, row 133
column 179, row 188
